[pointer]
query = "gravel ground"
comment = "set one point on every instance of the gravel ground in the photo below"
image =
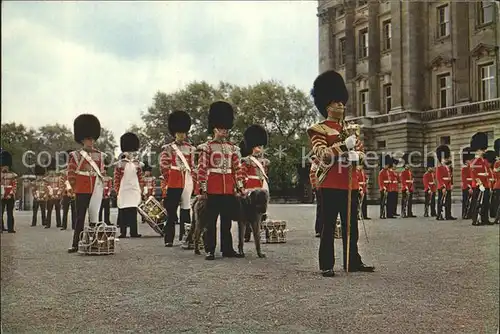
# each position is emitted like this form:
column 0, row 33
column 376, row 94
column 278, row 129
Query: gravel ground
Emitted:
column 432, row 277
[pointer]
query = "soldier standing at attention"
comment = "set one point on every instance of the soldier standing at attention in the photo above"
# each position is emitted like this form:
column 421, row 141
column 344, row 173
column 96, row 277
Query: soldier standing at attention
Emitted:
column 339, row 153
column 318, row 225
column 384, row 185
column 68, row 196
column 54, row 192
column 9, row 189
column 392, row 198
column 496, row 185
column 407, row 189
column 429, row 181
column 466, row 179
column 480, row 181
column 490, row 157
column 40, row 192
column 444, row 183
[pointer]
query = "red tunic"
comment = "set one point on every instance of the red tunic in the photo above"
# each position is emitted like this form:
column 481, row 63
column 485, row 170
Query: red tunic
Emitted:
column 362, row 180
column 479, row 171
column 108, row 186
column 219, row 168
column 171, row 166
column 252, row 174
column 54, row 185
column 384, row 180
column 149, row 186
column 39, row 186
column 118, row 175
column 491, row 178
column 312, row 172
column 496, row 171
column 326, row 145
column 407, row 180
column 466, row 178
column 429, row 182
column 64, row 184
column 443, row 177
column 393, row 177
column 9, row 185
column 81, row 175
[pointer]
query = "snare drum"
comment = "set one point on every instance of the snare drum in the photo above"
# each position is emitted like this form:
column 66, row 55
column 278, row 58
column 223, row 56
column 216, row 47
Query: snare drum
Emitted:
column 274, row 231
column 98, row 240
column 154, row 214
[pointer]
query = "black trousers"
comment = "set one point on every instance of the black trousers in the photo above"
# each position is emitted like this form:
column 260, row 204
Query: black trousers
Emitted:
column 51, row 204
column 171, row 204
column 9, row 205
column 392, row 203
column 67, row 203
column 127, row 217
column 364, row 207
column 223, row 206
column 82, row 202
column 104, row 207
column 407, row 203
column 43, row 210
column 495, row 202
column 465, row 199
column 382, row 204
column 430, row 200
column 337, row 204
column 485, row 204
column 395, row 204
column 446, row 204
column 318, row 226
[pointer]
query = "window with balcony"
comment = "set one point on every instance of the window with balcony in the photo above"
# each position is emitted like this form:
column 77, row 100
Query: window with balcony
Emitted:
column 445, row 97
column 485, row 10
column 363, row 102
column 387, row 89
column 387, row 34
column 363, row 44
column 342, row 51
column 443, row 17
column 487, row 84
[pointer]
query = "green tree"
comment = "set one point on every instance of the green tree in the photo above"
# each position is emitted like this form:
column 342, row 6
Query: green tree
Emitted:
column 17, row 140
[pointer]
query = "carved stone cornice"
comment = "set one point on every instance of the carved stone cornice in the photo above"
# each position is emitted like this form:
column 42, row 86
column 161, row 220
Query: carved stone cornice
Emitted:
column 483, row 50
column 323, row 17
column 440, row 61
column 360, row 19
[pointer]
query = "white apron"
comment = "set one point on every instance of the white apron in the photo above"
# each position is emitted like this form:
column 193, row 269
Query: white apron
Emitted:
column 129, row 195
column 185, row 203
column 96, row 198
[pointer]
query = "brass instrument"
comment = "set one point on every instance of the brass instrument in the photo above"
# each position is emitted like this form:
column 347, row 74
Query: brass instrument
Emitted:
column 98, row 240
column 154, row 214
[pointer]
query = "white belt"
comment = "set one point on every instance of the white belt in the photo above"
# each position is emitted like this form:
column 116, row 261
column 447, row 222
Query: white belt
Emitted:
column 394, row 181
column 387, row 181
column 431, row 182
column 178, row 168
column 409, row 181
column 446, row 178
column 469, row 179
column 86, row 173
column 482, row 174
column 253, row 177
column 362, row 182
column 220, row 171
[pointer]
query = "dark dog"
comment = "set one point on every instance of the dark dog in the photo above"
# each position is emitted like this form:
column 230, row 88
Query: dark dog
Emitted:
column 248, row 214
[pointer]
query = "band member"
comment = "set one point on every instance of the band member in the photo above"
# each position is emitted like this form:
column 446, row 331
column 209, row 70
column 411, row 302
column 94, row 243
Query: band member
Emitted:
column 430, row 187
column 40, row 195
column 318, row 225
column 443, row 176
column 149, row 183
column 176, row 166
column 384, row 185
column 53, row 179
column 407, row 189
column 466, row 178
column 495, row 210
column 363, row 191
column 255, row 167
column 68, row 196
column 490, row 157
column 9, row 189
column 480, row 181
column 85, row 168
column 128, row 183
column 337, row 156
column 220, row 175
column 106, row 196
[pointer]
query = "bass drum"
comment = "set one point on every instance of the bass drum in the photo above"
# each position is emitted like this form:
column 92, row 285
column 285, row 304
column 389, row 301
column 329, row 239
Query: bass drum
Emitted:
column 154, row 214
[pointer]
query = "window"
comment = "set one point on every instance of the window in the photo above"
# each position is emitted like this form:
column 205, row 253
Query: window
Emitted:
column 485, row 12
column 387, row 34
column 363, row 102
column 387, row 97
column 443, row 16
column 362, row 3
column 445, row 91
column 488, row 87
column 381, row 144
column 363, row 43
column 342, row 51
column 445, row 140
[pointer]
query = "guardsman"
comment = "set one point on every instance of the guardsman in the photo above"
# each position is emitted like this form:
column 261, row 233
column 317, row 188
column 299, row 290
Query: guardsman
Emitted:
column 363, row 191
column 337, row 153
column 384, row 185
column 221, row 179
column 176, row 166
column 444, row 185
column 53, row 179
column 255, row 166
column 467, row 156
column 430, row 187
column 318, row 225
column 128, row 182
column 496, row 185
column 68, row 196
column 392, row 197
column 490, row 156
column 480, row 179
column 106, row 196
column 85, row 168
column 40, row 195
column 407, row 189
column 9, row 189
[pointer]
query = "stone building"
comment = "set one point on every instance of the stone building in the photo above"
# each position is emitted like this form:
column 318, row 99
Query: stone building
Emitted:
column 419, row 74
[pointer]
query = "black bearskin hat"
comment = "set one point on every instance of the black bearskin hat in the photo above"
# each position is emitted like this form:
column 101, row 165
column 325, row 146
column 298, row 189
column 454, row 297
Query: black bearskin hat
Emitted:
column 179, row 121
column 39, row 170
column 490, row 156
column 6, row 158
column 52, row 164
column 467, row 154
column 86, row 126
column 443, row 152
column 220, row 115
column 146, row 167
column 431, row 161
column 497, row 147
column 386, row 160
column 479, row 141
column 327, row 88
column 129, row 142
column 244, row 151
column 255, row 135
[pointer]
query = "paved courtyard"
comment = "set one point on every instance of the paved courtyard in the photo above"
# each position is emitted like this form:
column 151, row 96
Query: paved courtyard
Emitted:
column 432, row 277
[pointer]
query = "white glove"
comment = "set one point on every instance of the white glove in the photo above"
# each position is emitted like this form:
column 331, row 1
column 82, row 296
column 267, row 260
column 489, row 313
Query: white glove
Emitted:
column 350, row 142
column 481, row 187
column 353, row 156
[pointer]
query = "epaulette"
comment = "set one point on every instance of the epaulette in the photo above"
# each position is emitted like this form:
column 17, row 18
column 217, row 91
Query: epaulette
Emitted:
column 322, row 129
